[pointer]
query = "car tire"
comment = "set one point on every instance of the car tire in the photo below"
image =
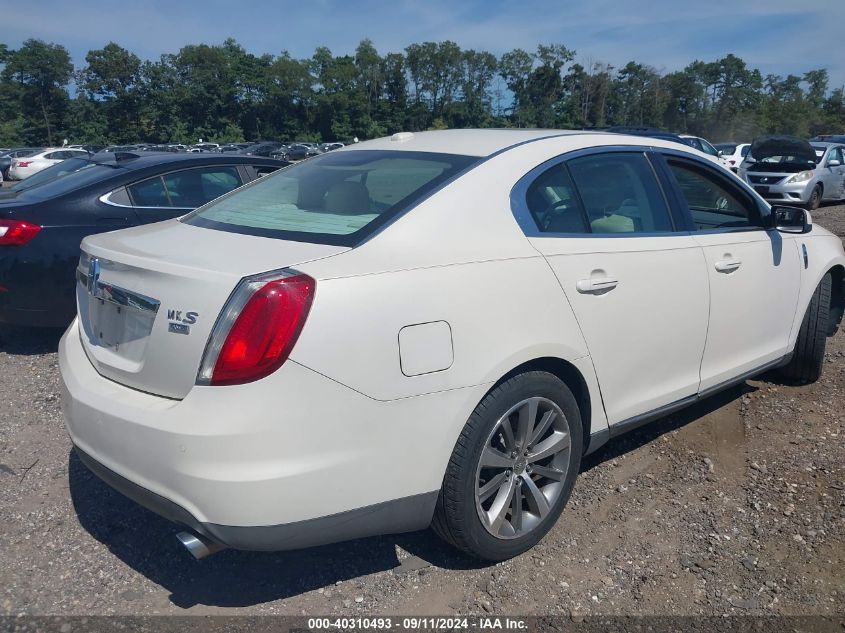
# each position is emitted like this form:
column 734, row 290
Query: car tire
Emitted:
column 807, row 360
column 815, row 198
column 535, row 492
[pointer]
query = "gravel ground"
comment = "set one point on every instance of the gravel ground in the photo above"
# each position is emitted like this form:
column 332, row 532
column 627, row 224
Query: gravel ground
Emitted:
column 735, row 506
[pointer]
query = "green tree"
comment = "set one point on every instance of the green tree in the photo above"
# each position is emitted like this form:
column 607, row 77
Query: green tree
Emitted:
column 110, row 80
column 42, row 72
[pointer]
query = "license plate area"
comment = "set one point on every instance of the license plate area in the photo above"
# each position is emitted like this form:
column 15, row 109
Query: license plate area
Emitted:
column 761, row 189
column 115, row 327
column 117, row 323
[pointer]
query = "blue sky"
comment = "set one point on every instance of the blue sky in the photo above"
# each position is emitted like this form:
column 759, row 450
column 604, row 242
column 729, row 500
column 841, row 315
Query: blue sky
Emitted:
column 777, row 36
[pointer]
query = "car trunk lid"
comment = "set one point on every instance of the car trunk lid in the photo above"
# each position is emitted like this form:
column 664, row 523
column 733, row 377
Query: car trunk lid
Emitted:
column 149, row 297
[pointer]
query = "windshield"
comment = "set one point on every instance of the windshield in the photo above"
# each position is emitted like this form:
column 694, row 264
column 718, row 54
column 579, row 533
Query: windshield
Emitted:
column 63, row 168
column 727, row 148
column 819, row 150
column 23, row 153
column 707, row 148
column 336, row 198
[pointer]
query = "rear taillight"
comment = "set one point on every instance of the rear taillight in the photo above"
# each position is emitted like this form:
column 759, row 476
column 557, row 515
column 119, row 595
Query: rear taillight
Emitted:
column 17, row 232
column 257, row 329
column 24, row 163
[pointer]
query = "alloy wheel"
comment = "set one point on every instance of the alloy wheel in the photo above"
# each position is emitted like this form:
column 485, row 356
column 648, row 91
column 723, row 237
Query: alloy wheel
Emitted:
column 522, row 468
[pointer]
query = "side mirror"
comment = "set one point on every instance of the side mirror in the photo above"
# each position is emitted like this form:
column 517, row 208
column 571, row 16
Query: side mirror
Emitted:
column 791, row 219
column 719, row 153
column 834, row 163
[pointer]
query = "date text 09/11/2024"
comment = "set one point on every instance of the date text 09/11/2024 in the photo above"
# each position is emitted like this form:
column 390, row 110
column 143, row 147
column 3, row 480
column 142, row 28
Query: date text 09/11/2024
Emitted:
column 418, row 623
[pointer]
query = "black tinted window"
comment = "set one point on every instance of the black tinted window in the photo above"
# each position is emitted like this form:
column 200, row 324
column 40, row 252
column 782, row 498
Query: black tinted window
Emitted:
column 620, row 193
column 714, row 202
column 149, row 193
column 192, row 188
column 187, row 189
column 553, row 204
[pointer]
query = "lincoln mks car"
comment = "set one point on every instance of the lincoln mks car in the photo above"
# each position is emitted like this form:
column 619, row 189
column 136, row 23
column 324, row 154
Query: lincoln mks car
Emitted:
column 430, row 329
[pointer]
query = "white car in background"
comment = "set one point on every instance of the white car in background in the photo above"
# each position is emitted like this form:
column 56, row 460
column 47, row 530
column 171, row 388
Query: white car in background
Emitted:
column 703, row 145
column 429, row 329
column 25, row 166
column 732, row 154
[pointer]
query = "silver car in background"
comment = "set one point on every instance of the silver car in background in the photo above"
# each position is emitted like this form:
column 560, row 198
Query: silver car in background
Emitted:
column 790, row 170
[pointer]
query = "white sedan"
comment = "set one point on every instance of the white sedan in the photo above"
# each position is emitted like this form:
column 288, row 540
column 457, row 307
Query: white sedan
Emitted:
column 429, row 329
column 732, row 154
column 24, row 167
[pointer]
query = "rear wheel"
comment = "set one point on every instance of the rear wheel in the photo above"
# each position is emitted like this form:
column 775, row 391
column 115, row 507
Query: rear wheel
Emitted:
column 808, row 357
column 512, row 469
column 815, row 198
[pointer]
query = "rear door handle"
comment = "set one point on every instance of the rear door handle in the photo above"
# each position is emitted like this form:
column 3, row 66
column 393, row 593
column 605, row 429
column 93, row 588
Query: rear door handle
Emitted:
column 728, row 265
column 596, row 284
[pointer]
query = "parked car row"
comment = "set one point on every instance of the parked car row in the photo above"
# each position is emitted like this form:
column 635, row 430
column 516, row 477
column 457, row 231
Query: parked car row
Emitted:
column 23, row 167
column 283, row 151
column 21, row 163
column 702, row 145
column 7, row 155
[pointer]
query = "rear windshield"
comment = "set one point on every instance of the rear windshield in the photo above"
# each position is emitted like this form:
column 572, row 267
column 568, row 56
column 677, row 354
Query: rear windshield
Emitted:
column 727, row 148
column 338, row 198
column 58, row 170
column 69, row 182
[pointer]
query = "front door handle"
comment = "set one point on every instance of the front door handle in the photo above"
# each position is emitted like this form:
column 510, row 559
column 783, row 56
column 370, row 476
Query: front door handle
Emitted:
column 596, row 284
column 728, row 265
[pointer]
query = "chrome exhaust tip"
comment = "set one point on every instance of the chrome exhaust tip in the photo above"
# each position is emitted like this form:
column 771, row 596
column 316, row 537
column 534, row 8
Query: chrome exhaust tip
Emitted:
column 198, row 546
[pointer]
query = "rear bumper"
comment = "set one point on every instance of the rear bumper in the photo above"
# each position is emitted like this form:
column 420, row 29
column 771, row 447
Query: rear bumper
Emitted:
column 289, row 461
column 393, row 517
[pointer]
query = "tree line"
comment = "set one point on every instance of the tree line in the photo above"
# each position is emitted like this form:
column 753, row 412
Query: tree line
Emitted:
column 226, row 94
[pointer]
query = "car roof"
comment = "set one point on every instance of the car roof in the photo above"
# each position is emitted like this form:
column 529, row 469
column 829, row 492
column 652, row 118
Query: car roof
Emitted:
column 138, row 159
column 483, row 143
column 466, row 142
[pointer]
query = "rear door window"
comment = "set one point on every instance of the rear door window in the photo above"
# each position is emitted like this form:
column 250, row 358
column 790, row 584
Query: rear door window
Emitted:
column 263, row 170
column 149, row 193
column 185, row 189
column 553, row 203
column 191, row 188
column 620, row 193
